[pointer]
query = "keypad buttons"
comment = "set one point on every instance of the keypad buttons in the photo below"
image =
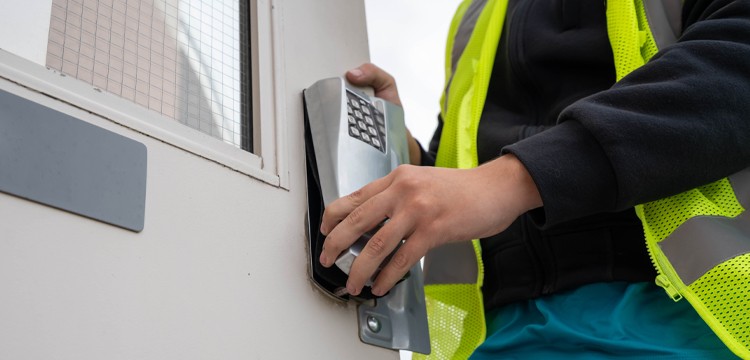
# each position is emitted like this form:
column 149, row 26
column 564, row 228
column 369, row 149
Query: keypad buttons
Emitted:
column 366, row 123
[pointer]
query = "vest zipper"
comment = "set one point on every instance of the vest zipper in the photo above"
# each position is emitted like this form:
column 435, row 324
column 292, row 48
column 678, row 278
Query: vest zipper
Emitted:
column 664, row 283
column 666, row 277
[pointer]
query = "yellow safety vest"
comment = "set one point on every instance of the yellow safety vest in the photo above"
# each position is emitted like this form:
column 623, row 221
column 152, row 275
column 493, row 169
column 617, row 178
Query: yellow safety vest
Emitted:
column 699, row 240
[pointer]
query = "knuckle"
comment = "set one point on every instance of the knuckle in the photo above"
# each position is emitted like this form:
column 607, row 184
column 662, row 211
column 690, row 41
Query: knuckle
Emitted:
column 356, row 197
column 412, row 183
column 376, row 247
column 355, row 217
column 420, row 204
column 403, row 169
column 400, row 261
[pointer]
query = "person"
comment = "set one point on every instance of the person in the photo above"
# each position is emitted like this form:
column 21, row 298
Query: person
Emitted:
column 565, row 153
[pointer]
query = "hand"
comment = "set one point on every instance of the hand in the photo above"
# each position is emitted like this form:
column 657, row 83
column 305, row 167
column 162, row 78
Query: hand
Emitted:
column 427, row 207
column 385, row 88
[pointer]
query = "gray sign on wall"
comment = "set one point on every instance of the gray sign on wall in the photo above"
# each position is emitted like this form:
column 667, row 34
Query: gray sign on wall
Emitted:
column 57, row 160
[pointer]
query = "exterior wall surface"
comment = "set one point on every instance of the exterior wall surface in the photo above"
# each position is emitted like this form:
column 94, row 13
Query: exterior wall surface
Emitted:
column 220, row 268
column 33, row 17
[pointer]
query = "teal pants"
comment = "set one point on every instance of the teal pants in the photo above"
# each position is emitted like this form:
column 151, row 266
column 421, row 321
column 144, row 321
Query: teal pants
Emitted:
column 601, row 321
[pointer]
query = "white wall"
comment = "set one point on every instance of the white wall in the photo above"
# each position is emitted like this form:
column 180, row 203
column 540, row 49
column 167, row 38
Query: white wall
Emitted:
column 25, row 26
column 220, row 269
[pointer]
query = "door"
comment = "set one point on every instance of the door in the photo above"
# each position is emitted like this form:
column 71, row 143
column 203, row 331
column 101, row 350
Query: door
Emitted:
column 217, row 268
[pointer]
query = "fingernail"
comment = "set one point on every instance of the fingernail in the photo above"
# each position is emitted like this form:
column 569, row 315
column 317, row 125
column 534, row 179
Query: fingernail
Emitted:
column 323, row 260
column 351, row 290
column 377, row 291
column 323, row 230
column 355, row 72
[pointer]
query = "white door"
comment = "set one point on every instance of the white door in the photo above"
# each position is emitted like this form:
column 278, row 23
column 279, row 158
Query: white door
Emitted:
column 218, row 267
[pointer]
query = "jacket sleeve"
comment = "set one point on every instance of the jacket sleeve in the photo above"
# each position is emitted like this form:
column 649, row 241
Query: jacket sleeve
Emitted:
column 678, row 122
column 430, row 155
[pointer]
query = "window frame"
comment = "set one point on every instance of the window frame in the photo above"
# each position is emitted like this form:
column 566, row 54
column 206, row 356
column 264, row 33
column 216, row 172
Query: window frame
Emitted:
column 267, row 162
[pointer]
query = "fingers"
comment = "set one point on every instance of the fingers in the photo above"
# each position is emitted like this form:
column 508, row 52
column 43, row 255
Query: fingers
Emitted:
column 382, row 244
column 347, row 218
column 382, row 82
column 413, row 249
column 378, row 248
column 396, row 197
column 340, row 208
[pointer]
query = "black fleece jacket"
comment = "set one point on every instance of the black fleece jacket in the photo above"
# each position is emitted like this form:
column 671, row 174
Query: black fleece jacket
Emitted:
column 680, row 121
column 595, row 148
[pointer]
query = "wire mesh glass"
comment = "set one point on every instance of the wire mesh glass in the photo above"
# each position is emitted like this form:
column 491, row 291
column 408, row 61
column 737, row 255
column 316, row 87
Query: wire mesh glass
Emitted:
column 185, row 59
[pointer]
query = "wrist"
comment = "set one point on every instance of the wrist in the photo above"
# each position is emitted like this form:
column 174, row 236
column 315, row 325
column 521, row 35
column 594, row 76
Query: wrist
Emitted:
column 510, row 175
column 415, row 151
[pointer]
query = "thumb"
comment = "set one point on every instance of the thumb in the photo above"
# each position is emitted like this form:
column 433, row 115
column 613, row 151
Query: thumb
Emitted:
column 382, row 82
column 358, row 77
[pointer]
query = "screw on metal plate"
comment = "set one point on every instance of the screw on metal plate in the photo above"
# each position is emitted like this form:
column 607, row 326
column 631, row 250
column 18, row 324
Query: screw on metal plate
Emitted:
column 397, row 320
column 373, row 324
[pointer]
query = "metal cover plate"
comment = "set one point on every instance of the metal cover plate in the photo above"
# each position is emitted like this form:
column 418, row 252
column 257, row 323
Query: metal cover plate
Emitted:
column 55, row 159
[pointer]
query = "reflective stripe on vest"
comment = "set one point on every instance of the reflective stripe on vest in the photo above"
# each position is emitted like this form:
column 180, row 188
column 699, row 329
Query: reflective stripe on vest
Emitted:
column 665, row 21
column 703, row 242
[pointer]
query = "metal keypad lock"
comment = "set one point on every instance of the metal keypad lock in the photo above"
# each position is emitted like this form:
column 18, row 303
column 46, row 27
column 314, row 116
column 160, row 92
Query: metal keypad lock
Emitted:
column 352, row 139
